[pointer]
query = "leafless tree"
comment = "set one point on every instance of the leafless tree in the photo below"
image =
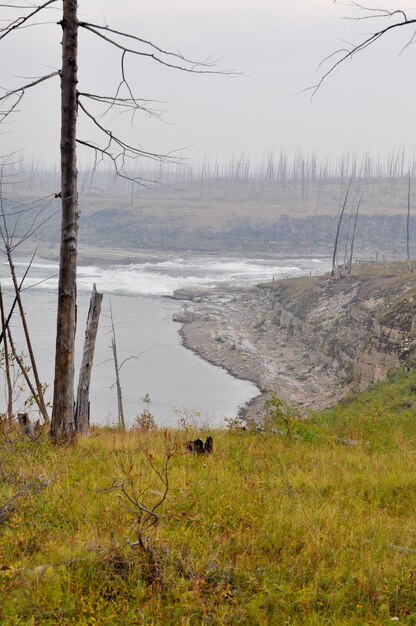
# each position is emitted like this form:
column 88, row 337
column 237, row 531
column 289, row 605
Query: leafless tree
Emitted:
column 117, row 367
column 113, row 147
column 10, row 238
column 341, row 215
column 391, row 20
column 354, row 229
column 409, row 182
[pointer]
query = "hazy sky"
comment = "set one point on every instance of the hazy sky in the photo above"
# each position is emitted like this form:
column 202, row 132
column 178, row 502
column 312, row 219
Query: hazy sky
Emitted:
column 367, row 105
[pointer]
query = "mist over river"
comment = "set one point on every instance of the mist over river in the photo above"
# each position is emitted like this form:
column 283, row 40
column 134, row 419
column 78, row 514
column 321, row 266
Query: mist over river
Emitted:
column 148, row 341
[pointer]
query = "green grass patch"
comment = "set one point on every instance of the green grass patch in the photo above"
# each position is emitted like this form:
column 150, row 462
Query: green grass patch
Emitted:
column 318, row 528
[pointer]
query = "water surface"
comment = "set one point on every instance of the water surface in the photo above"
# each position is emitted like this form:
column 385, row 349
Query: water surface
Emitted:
column 148, row 342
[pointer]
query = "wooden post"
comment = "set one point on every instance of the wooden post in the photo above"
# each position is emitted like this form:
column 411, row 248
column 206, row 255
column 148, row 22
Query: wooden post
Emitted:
column 82, row 417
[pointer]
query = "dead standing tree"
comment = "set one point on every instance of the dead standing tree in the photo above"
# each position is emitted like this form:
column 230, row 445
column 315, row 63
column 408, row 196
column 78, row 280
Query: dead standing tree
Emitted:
column 12, row 235
column 63, row 421
column 341, row 215
column 117, row 367
column 397, row 19
column 82, row 411
column 117, row 150
column 354, row 229
column 409, row 183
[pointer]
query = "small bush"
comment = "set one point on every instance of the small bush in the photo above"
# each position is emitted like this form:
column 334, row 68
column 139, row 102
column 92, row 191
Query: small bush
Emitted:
column 145, row 421
column 280, row 414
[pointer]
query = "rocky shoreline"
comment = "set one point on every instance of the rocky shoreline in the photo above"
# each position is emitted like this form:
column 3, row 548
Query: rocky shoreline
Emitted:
column 228, row 329
column 311, row 340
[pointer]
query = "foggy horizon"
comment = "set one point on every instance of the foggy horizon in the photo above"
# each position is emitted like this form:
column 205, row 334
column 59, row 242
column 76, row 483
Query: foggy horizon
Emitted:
column 365, row 106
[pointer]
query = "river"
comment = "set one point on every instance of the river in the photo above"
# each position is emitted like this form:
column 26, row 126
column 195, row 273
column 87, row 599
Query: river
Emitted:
column 155, row 363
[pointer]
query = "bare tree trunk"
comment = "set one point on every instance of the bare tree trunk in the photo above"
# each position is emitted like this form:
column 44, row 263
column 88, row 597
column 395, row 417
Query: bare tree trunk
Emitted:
column 408, row 226
column 353, row 235
column 334, row 256
column 82, row 410
column 24, row 370
column 62, row 425
column 347, row 238
column 9, row 412
column 121, row 421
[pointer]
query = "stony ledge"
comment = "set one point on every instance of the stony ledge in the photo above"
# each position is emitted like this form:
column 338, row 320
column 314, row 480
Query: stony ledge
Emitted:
column 312, row 340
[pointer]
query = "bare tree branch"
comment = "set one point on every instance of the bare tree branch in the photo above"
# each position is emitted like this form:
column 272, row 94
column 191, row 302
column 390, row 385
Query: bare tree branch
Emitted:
column 27, row 206
column 129, row 358
column 20, row 289
column 347, row 54
column 127, row 103
column 28, row 85
column 18, row 22
column 198, row 67
column 126, row 148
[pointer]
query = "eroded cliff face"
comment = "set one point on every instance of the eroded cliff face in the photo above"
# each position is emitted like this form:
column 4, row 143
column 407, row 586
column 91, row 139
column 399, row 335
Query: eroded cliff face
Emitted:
column 362, row 325
column 310, row 339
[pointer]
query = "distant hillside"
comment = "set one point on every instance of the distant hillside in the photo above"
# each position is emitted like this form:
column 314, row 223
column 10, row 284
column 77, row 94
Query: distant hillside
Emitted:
column 252, row 216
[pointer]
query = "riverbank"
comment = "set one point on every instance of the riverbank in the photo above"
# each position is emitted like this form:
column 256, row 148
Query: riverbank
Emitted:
column 232, row 332
column 312, row 340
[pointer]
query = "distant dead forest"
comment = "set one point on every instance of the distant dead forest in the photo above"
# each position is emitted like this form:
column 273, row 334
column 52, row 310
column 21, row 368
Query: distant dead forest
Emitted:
column 282, row 205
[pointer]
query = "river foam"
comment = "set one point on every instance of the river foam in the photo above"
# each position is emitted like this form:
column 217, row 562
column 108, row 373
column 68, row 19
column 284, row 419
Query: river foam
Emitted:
column 162, row 278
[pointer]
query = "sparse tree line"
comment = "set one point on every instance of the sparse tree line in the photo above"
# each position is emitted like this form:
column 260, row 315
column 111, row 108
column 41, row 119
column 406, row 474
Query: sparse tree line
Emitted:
column 302, row 170
column 288, row 226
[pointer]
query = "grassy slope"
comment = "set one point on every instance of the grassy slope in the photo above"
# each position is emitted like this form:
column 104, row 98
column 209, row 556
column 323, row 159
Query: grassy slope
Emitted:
column 264, row 531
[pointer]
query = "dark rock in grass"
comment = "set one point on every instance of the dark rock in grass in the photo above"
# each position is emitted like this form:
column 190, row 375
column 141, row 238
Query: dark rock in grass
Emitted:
column 199, row 447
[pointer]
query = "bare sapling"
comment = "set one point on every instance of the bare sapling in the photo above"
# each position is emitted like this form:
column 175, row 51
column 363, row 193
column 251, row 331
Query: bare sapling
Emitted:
column 24, row 369
column 22, row 280
column 348, row 237
column 144, row 501
column 10, row 242
column 39, row 387
column 9, row 386
column 117, row 367
column 13, row 356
